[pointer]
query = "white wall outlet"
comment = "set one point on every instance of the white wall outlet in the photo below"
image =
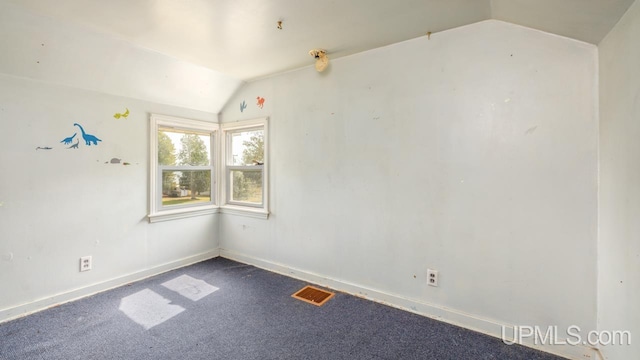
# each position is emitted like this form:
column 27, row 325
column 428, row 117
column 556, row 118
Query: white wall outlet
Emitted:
column 85, row 263
column 432, row 277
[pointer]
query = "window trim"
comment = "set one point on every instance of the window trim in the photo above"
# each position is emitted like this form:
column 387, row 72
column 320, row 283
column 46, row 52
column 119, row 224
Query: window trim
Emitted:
column 156, row 211
column 237, row 207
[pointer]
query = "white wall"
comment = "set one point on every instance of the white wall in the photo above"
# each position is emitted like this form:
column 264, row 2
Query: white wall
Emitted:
column 60, row 204
column 473, row 153
column 619, row 238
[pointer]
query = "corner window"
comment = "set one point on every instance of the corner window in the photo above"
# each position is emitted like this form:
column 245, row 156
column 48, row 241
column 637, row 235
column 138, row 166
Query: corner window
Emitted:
column 245, row 159
column 182, row 169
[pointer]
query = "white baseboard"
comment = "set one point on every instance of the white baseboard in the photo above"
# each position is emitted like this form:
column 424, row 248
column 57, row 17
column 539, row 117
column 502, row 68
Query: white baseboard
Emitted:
column 451, row 316
column 75, row 294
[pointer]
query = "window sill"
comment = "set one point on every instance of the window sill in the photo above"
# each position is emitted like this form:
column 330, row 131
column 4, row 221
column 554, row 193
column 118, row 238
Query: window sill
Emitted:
column 182, row 213
column 245, row 211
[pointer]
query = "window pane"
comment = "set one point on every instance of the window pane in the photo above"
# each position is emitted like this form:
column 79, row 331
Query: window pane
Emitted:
column 247, row 147
column 183, row 148
column 185, row 187
column 246, row 186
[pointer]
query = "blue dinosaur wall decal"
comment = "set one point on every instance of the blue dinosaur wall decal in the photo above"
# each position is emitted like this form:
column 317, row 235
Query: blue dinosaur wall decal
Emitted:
column 243, row 106
column 69, row 139
column 88, row 138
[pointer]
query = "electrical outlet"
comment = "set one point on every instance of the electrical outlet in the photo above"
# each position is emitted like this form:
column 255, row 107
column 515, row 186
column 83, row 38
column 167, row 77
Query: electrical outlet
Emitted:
column 432, row 277
column 85, row 263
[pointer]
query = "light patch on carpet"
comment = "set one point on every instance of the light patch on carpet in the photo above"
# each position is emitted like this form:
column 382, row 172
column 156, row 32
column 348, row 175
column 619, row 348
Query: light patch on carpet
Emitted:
column 191, row 288
column 148, row 309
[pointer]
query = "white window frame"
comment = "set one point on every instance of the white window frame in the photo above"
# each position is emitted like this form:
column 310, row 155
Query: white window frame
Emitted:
column 237, row 207
column 156, row 211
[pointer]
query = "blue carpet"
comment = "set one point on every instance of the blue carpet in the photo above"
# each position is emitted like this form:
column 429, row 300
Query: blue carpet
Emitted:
column 250, row 316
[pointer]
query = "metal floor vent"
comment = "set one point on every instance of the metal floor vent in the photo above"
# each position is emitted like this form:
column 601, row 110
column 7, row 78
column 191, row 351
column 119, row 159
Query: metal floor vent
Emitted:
column 313, row 295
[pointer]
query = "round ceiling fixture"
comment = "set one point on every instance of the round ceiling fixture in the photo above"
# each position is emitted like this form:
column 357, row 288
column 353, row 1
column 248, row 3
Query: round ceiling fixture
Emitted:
column 322, row 61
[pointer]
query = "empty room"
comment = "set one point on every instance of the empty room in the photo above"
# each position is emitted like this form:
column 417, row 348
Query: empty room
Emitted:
column 297, row 179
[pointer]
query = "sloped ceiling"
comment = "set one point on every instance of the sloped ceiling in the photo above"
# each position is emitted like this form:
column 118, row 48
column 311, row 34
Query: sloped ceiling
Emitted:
column 241, row 38
column 586, row 20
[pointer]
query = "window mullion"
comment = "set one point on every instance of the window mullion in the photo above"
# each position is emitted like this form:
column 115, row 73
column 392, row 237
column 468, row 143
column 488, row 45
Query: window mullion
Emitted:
column 185, row 168
column 246, row 167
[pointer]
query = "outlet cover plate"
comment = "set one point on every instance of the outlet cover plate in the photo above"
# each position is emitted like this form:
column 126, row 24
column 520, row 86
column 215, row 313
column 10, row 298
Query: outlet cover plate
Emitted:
column 432, row 277
column 85, row 263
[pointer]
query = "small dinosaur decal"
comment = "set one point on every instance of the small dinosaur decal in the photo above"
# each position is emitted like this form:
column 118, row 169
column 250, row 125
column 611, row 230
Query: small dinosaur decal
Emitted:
column 260, row 102
column 74, row 146
column 44, row 148
column 124, row 114
column 243, row 106
column 88, row 138
column 69, row 139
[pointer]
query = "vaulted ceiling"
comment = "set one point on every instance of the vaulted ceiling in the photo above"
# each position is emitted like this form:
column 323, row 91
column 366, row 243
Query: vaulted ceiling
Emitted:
column 241, row 38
